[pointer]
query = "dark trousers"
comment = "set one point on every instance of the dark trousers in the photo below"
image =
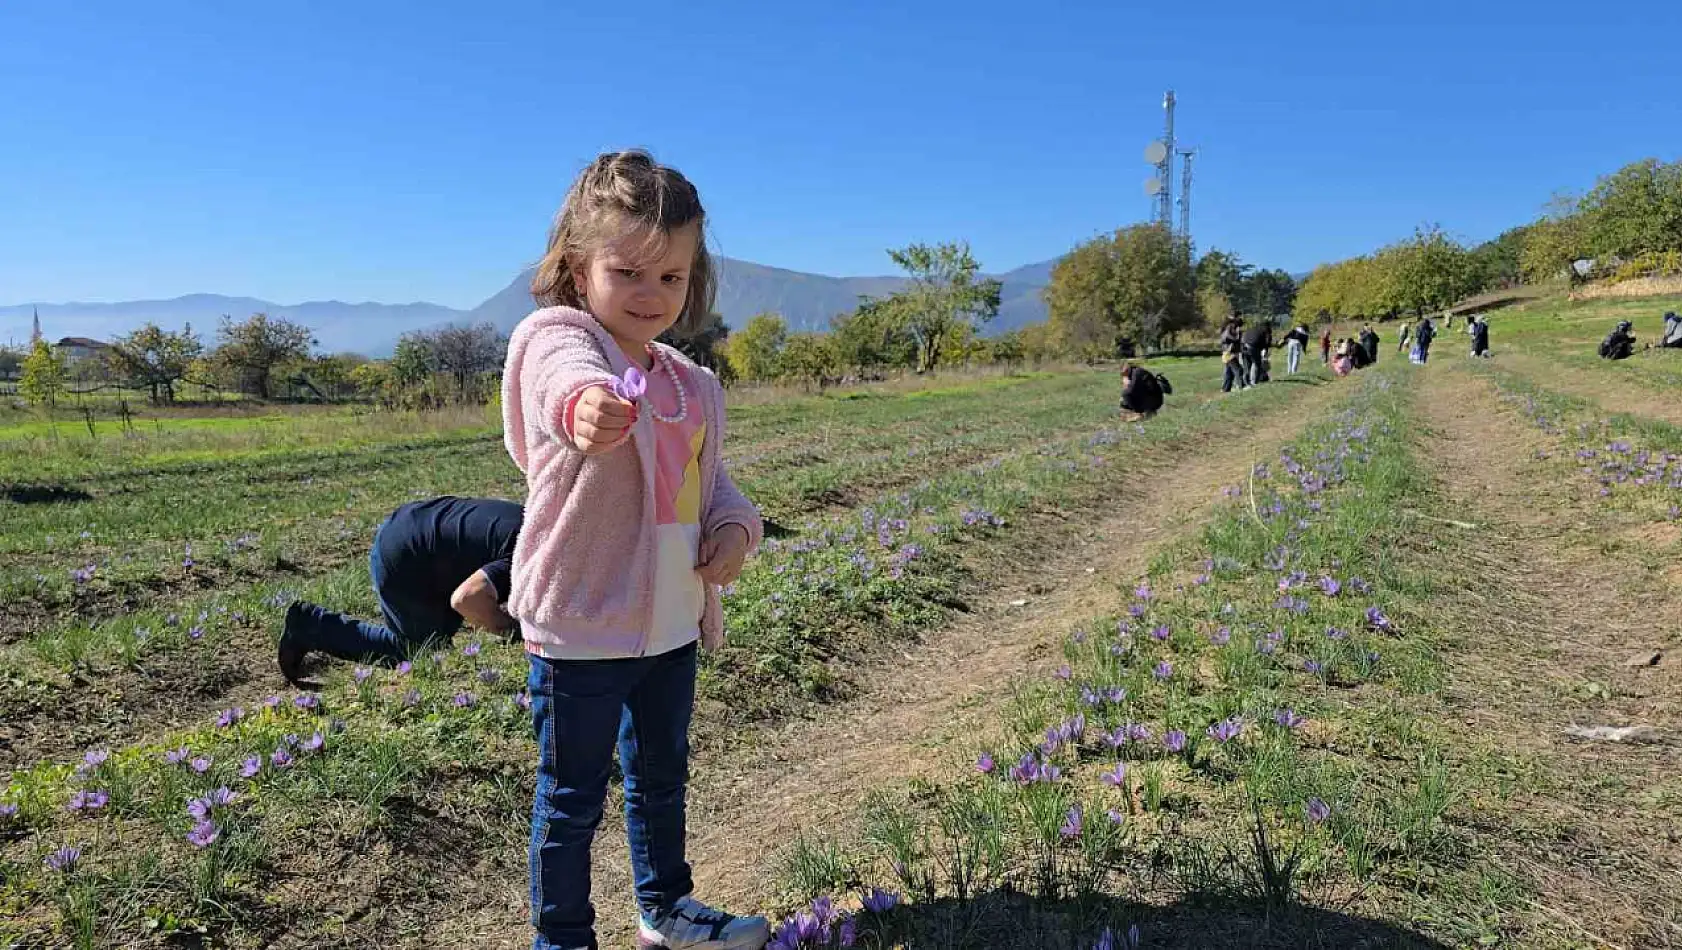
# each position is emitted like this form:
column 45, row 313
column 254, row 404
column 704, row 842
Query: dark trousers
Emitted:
column 581, row 709
column 412, row 618
column 1233, row 375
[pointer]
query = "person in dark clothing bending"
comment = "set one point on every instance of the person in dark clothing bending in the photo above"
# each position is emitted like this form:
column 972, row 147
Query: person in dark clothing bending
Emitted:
column 1672, row 330
column 1142, row 390
column 1422, row 338
column 1480, row 337
column 1253, row 347
column 1369, row 342
column 1619, row 344
column 434, row 564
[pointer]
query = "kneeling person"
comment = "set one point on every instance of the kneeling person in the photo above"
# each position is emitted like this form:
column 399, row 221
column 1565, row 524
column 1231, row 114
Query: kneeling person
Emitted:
column 1142, row 390
column 434, row 564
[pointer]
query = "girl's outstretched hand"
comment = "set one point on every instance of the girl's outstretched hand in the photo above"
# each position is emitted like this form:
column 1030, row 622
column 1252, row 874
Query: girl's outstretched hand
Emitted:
column 722, row 554
column 601, row 420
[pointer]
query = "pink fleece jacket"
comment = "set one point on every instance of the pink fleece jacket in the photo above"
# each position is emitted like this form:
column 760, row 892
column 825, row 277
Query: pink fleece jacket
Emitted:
column 584, row 562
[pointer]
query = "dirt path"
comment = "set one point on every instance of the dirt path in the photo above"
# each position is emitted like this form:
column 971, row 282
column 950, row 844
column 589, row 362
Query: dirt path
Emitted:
column 812, row 775
column 1555, row 598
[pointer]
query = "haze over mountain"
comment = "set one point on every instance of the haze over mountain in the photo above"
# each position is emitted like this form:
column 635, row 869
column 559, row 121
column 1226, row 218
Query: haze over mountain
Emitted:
column 806, row 301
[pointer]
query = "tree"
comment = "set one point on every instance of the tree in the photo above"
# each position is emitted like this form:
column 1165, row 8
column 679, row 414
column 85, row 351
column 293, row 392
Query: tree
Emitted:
column 1136, row 286
column 809, row 358
column 944, row 293
column 1270, row 293
column 1427, row 272
column 413, row 362
column 1551, row 246
column 43, row 376
column 755, row 349
column 1500, row 259
column 1223, row 273
column 373, row 381
column 11, row 360
column 466, row 353
column 873, row 335
column 1636, row 209
column 156, row 358
column 703, row 343
column 254, row 347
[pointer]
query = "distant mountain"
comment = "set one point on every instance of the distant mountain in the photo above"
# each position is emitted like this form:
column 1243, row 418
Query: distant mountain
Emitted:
column 806, row 301
column 368, row 328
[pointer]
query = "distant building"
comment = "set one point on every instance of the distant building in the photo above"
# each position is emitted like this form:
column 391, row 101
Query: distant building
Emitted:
column 79, row 349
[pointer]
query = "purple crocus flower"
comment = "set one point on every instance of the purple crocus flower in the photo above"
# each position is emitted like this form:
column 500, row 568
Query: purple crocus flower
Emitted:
column 200, row 765
column 472, row 649
column 1072, row 823
column 1143, row 591
column 88, row 801
column 280, row 758
column 631, row 386
column 1163, row 670
column 63, row 860
column 8, row 812
column 1174, row 740
column 412, row 698
column 361, row 674
column 1317, row 810
column 522, row 699
column 1377, row 618
column 307, row 701
column 1333, row 633
column 273, row 702
column 985, row 764
column 464, row 700
column 1221, row 637
column 1136, row 611
column 204, row 834
column 1161, row 632
column 1116, row 776
column 314, row 743
column 879, row 901
column 1314, row 666
column 405, row 668
column 227, row 717
column 1115, row 816
column 1331, row 586
column 93, row 759
column 489, row 677
column 251, row 767
column 195, row 632
column 1226, row 730
column 1063, row 672
column 1289, row 719
column 1116, row 694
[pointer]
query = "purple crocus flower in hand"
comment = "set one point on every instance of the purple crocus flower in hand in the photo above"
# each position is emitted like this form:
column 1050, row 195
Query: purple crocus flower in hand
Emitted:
column 631, row 386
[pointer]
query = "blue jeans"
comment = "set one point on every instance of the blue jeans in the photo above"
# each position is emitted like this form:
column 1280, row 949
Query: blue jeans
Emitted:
column 580, row 710
column 412, row 619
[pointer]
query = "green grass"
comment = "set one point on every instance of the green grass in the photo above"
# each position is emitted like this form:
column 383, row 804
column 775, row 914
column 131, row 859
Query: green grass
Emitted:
column 964, row 468
column 1235, row 629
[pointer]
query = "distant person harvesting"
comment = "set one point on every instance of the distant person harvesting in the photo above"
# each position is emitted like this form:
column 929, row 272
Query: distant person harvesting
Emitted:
column 1422, row 338
column 632, row 526
column 1620, row 343
column 1142, row 391
column 1253, row 347
column 434, row 564
column 1232, row 361
column 1480, row 337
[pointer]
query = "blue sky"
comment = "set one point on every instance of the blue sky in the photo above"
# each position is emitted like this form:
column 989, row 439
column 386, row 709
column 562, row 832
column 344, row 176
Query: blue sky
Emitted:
column 417, row 151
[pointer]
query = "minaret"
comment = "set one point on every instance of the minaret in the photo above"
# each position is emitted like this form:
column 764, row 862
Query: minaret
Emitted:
column 35, row 337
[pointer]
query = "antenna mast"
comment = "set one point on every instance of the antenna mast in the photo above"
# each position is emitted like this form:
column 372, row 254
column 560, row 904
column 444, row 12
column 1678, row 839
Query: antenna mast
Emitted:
column 1160, row 186
column 1186, row 156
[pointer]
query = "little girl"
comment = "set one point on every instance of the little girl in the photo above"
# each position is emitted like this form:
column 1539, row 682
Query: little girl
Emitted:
column 632, row 525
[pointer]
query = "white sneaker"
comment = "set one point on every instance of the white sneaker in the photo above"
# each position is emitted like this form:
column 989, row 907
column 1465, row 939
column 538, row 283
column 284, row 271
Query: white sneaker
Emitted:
column 692, row 925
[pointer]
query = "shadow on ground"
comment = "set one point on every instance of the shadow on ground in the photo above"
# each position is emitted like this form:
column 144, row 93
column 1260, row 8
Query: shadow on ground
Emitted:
column 1002, row 920
column 43, row 494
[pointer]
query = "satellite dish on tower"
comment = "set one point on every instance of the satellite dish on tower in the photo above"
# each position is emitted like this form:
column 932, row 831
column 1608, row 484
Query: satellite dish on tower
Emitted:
column 1153, row 186
column 1156, row 153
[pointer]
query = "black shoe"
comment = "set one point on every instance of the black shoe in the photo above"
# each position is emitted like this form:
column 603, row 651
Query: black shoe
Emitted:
column 290, row 655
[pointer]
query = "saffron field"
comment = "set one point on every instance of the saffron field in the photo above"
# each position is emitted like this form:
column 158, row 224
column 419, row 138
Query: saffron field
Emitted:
column 1291, row 667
